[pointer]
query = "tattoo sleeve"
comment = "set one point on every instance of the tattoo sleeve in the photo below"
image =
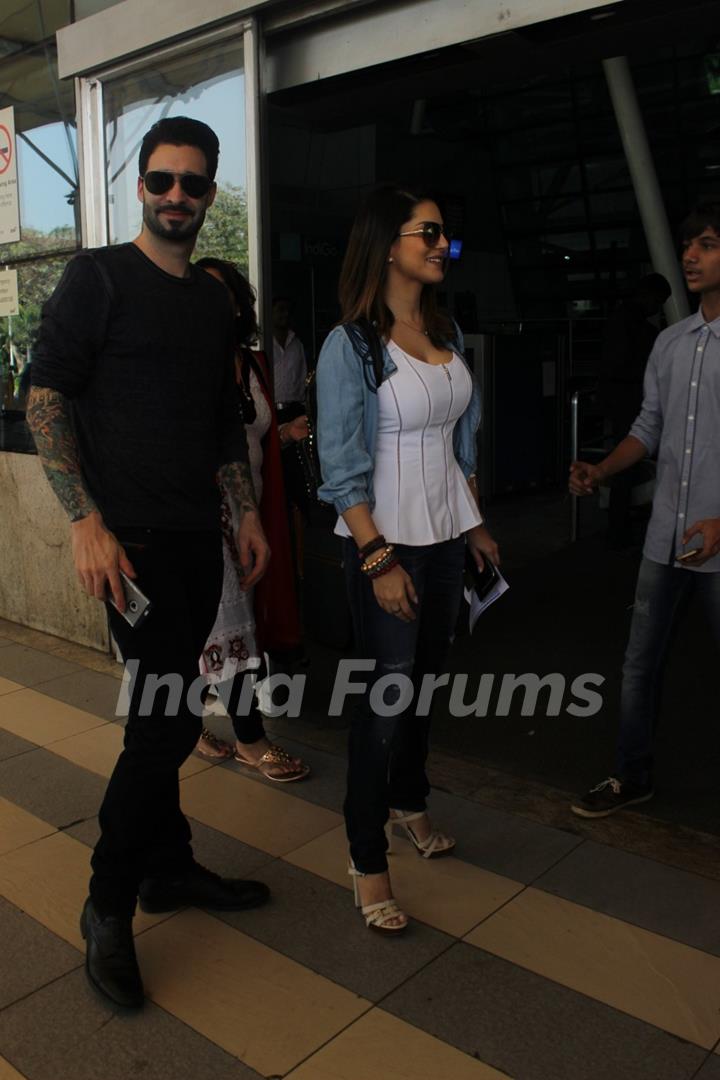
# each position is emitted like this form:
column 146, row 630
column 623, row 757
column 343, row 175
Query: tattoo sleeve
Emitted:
column 236, row 478
column 48, row 417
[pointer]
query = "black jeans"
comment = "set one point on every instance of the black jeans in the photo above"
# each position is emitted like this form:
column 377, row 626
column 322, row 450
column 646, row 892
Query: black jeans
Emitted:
column 143, row 830
column 387, row 754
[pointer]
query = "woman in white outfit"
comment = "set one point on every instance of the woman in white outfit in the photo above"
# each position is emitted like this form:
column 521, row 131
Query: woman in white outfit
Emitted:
column 398, row 411
column 263, row 619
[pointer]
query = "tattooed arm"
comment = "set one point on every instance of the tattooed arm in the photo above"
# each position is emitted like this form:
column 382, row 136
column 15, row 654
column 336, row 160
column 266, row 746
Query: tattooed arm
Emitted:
column 48, row 417
column 251, row 543
column 96, row 552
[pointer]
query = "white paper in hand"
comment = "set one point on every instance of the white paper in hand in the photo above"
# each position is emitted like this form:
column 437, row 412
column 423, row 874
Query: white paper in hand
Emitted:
column 477, row 606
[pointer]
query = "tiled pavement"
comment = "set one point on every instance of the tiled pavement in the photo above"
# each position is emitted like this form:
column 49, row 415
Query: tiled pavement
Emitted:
column 541, row 953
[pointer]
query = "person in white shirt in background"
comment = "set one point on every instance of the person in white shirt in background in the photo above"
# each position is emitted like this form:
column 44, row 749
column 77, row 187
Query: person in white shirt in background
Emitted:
column 289, row 363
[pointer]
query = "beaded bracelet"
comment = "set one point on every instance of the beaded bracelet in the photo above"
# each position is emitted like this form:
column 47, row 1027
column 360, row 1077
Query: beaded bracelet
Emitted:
column 372, row 546
column 385, row 554
column 385, row 568
column 377, row 559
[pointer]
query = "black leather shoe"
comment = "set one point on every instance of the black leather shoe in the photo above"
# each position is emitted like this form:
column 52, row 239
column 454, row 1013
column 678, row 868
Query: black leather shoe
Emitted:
column 199, row 887
column 110, row 962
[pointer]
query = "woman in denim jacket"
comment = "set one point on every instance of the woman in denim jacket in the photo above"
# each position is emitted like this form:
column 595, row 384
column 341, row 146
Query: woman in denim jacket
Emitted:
column 398, row 412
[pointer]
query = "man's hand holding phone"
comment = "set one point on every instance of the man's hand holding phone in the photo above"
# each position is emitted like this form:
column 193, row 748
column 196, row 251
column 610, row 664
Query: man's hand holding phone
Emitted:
column 709, row 530
column 98, row 559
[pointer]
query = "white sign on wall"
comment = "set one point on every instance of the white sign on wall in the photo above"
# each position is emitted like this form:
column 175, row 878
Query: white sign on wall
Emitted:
column 8, row 293
column 9, row 202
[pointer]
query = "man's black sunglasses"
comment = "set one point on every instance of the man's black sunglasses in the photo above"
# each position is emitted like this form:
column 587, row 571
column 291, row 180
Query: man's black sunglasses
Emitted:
column 430, row 231
column 157, row 181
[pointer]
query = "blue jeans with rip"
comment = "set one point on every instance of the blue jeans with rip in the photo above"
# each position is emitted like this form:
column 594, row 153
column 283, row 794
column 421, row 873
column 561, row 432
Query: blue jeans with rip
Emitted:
column 659, row 591
column 387, row 754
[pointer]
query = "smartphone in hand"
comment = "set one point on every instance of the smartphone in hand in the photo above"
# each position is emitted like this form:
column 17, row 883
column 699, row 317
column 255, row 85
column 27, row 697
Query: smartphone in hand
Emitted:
column 137, row 605
column 686, row 556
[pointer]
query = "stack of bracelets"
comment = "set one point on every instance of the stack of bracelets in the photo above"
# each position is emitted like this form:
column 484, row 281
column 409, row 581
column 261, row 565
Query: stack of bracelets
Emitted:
column 382, row 562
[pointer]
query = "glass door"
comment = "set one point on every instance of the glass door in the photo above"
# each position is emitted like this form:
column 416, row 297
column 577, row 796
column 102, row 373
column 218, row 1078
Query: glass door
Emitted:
column 215, row 77
column 207, row 85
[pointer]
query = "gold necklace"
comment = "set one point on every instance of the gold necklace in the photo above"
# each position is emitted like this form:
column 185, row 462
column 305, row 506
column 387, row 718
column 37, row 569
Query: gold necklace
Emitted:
column 410, row 325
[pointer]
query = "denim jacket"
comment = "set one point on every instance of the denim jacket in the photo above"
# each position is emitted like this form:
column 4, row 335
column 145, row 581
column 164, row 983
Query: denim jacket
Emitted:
column 347, row 422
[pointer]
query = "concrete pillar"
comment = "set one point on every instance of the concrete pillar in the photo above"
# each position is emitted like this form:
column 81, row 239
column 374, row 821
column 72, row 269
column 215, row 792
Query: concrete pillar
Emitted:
column 663, row 251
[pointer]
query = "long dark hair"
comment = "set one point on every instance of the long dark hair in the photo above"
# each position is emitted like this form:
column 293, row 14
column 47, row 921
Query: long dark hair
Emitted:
column 364, row 269
column 246, row 324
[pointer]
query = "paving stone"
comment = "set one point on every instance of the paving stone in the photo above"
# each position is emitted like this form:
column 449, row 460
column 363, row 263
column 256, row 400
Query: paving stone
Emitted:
column 670, row 902
column 711, row 1068
column 32, row 956
column 532, row 1028
column 31, row 667
column 51, row 787
column 66, row 1032
column 315, row 922
column 497, row 841
column 89, row 690
column 11, row 745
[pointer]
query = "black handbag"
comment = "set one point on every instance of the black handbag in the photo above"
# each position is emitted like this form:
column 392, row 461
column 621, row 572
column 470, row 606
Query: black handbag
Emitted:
column 301, row 464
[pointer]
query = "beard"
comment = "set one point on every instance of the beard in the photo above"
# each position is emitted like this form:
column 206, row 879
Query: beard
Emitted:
column 180, row 229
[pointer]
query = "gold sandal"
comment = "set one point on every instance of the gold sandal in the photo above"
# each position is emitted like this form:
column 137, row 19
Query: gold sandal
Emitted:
column 223, row 750
column 274, row 756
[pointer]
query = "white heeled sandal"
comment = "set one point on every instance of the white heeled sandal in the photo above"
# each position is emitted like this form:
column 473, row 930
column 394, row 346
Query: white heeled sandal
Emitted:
column 379, row 916
column 434, row 846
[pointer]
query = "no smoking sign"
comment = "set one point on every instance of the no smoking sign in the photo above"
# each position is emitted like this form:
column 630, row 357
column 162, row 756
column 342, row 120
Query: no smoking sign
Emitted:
column 9, row 201
column 6, row 149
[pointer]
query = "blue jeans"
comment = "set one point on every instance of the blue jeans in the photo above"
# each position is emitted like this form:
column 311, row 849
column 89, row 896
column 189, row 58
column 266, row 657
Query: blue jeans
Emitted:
column 658, row 593
column 387, row 754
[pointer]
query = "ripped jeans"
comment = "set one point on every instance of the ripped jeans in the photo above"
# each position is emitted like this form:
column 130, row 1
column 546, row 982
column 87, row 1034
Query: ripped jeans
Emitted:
column 387, row 754
column 658, row 593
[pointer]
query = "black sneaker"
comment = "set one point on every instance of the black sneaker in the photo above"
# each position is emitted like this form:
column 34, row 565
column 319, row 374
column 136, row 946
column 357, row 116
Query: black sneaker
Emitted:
column 609, row 796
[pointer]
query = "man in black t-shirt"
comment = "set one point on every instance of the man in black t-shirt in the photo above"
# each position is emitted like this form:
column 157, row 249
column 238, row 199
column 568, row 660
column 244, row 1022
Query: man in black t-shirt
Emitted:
column 133, row 408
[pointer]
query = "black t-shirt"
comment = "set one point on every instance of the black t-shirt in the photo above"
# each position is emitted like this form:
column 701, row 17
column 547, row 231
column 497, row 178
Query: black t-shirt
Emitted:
column 146, row 360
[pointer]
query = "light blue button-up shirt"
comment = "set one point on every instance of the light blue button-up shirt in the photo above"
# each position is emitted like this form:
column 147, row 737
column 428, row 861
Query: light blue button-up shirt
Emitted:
column 680, row 421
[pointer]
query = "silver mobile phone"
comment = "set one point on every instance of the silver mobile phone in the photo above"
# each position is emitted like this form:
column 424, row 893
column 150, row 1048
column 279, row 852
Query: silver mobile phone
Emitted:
column 137, row 605
column 687, row 555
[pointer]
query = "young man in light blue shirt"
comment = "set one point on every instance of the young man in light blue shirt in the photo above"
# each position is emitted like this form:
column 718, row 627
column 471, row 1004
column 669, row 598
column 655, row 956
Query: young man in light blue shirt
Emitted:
column 679, row 422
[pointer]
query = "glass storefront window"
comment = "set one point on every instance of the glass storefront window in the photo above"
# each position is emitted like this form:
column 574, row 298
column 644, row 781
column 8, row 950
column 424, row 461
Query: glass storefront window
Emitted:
column 208, row 85
column 47, row 168
column 36, row 280
column 46, row 146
